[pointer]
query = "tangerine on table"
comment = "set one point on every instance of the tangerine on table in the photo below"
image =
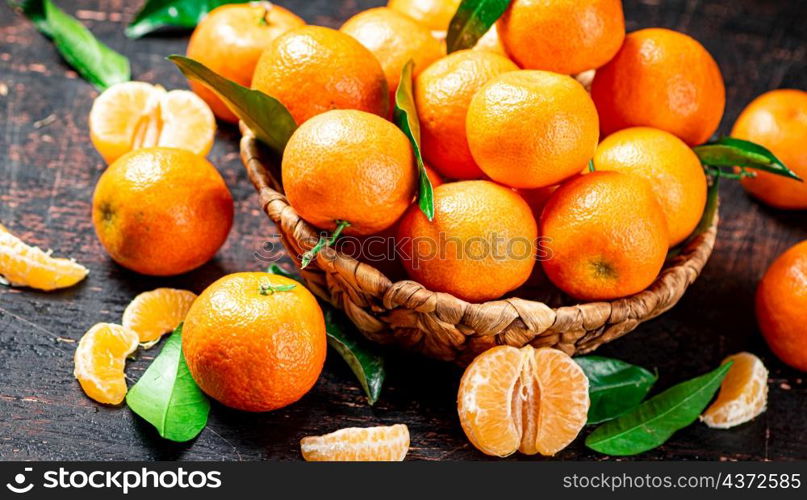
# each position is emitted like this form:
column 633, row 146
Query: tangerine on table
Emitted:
column 778, row 121
column 394, row 39
column 313, row 69
column 352, row 166
column 673, row 169
column 443, row 92
column 663, row 79
column 743, row 393
column 157, row 312
column 479, row 246
column 531, row 129
column 433, row 14
column 358, row 444
column 564, row 36
column 527, row 399
column 230, row 39
column 605, row 235
column 133, row 115
column 255, row 341
column 25, row 265
column 100, row 360
column 162, row 211
column 781, row 306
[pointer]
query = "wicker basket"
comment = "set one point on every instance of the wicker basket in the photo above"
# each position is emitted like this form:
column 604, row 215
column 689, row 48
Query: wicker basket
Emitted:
column 443, row 326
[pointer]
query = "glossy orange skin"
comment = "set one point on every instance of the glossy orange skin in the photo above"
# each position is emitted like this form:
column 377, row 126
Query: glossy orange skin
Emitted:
column 230, row 39
column 663, row 79
column 313, row 69
column 564, row 36
column 470, row 214
column 253, row 351
column 394, row 39
column 347, row 165
column 605, row 234
column 530, row 129
column 778, row 121
column 781, row 306
column 443, row 92
column 433, row 14
column 161, row 211
column 674, row 171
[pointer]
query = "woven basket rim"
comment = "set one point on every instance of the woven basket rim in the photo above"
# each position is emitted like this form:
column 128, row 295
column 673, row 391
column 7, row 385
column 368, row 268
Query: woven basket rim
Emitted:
column 482, row 317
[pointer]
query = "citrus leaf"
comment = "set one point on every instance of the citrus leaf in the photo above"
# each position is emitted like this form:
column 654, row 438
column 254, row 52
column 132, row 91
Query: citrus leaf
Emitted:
column 268, row 119
column 614, row 386
column 731, row 152
column 167, row 397
column 363, row 358
column 653, row 422
column 406, row 117
column 94, row 61
column 156, row 14
column 471, row 21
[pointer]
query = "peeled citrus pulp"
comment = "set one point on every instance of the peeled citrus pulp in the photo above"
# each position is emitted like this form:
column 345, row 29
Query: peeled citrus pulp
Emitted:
column 354, row 444
column 100, row 360
column 25, row 265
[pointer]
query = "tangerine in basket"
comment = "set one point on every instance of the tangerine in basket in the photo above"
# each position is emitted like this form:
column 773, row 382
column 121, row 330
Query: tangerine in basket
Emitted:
column 100, row 360
column 133, row 115
column 673, row 169
column 605, row 236
column 350, row 166
column 230, row 39
column 480, row 245
column 781, row 306
column 394, row 39
column 161, row 211
column 743, row 393
column 530, row 400
column 25, row 265
column 313, row 69
column 564, row 36
column 531, row 129
column 358, row 444
column 255, row 341
column 433, row 14
column 778, row 121
column 443, row 92
column 663, row 79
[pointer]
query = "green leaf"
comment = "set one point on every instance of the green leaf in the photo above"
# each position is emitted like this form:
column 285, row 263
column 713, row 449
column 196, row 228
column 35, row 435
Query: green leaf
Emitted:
column 362, row 357
column 268, row 119
column 614, row 386
column 94, row 61
column 730, row 152
column 406, row 117
column 157, row 14
column 167, row 397
column 653, row 422
column 472, row 20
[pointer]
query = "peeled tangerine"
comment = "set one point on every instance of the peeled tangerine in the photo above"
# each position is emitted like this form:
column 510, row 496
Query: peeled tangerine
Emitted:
column 24, row 265
column 743, row 393
column 100, row 360
column 530, row 400
column 152, row 314
column 355, row 444
column 134, row 115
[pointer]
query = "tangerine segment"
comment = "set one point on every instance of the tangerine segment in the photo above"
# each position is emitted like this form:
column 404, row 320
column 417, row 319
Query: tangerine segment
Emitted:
column 530, row 400
column 743, row 393
column 25, row 265
column 100, row 360
column 134, row 115
column 355, row 444
column 152, row 314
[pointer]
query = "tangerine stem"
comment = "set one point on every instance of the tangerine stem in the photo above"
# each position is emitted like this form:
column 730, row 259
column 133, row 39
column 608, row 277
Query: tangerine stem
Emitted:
column 591, row 165
column 268, row 289
column 323, row 242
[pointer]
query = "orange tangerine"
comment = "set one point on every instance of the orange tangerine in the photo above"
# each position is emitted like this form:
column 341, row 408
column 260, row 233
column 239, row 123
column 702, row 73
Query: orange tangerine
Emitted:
column 358, row 444
column 25, row 265
column 434, row 14
column 155, row 313
column 743, row 393
column 100, row 360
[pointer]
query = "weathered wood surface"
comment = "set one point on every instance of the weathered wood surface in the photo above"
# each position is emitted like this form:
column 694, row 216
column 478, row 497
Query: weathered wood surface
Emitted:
column 48, row 169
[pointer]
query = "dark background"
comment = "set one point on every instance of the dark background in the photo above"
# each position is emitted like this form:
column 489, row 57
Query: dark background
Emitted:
column 48, row 169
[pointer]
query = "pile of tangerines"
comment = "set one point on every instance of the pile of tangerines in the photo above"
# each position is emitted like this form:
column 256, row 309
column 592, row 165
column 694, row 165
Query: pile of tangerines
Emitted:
column 516, row 147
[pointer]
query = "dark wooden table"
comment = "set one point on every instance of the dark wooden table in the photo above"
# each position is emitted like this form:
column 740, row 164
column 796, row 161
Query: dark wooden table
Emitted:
column 48, row 169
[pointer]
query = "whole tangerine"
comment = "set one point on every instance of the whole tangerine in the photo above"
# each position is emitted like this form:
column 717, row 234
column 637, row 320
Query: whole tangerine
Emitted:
column 433, row 14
